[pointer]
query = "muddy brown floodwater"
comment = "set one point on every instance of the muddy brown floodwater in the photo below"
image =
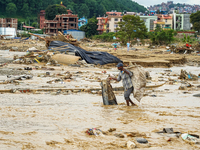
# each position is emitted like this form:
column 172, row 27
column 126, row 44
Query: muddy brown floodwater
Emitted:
column 44, row 121
column 47, row 121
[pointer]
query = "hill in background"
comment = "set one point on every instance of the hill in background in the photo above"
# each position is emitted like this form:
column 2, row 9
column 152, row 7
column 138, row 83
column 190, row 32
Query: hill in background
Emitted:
column 24, row 9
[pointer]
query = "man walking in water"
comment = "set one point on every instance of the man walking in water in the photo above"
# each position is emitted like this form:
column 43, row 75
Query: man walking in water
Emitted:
column 125, row 75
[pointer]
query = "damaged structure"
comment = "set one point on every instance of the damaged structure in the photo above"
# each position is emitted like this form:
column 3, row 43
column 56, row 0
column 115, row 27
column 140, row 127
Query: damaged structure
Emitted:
column 9, row 22
column 8, row 28
column 59, row 23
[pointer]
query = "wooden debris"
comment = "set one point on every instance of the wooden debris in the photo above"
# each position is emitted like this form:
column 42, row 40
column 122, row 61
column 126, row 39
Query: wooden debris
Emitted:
column 59, row 37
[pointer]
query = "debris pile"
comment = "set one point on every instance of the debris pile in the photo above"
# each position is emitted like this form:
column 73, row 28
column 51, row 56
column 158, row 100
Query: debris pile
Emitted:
column 35, row 57
column 187, row 76
column 184, row 49
column 86, row 40
column 63, row 44
column 59, row 37
column 13, row 79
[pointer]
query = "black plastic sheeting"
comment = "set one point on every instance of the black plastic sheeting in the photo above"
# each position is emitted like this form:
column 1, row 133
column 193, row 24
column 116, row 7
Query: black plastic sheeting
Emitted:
column 90, row 57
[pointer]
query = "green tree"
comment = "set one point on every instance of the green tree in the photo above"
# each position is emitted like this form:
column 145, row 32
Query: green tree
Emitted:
column 53, row 10
column 160, row 36
column 130, row 28
column 195, row 20
column 196, row 26
column 101, row 10
column 31, row 8
column 93, row 6
column 70, row 7
column 84, row 11
column 90, row 28
column 25, row 10
column 11, row 9
column 106, row 37
column 35, row 24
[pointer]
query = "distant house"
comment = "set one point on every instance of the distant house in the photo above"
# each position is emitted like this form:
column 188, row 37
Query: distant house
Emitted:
column 149, row 22
column 102, row 25
column 182, row 22
column 28, row 27
column 82, row 21
column 110, row 23
column 61, row 22
column 165, row 21
column 9, row 22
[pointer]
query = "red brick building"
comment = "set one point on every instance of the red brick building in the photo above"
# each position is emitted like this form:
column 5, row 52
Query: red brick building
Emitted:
column 61, row 23
column 42, row 19
column 9, row 22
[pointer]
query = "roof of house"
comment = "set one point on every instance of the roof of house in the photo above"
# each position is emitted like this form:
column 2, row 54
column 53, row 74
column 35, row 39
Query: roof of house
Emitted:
column 29, row 27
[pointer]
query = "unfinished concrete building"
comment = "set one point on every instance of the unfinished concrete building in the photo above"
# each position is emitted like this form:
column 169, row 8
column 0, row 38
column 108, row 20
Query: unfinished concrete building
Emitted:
column 61, row 22
column 9, row 22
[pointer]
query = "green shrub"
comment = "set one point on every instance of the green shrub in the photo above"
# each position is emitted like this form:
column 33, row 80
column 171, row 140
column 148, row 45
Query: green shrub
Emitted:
column 106, row 37
column 37, row 32
column 23, row 35
column 159, row 36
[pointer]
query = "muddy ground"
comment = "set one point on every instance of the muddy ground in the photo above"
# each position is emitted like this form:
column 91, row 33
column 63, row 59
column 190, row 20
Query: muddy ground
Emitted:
column 55, row 119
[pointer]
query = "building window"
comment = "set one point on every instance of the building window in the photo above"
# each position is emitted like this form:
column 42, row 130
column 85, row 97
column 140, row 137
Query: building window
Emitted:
column 165, row 20
column 115, row 25
column 71, row 19
column 116, row 19
column 120, row 20
column 151, row 24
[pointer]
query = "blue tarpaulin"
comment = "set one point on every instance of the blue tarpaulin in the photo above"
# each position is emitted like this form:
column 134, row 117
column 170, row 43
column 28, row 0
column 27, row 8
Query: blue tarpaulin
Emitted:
column 17, row 37
column 26, row 38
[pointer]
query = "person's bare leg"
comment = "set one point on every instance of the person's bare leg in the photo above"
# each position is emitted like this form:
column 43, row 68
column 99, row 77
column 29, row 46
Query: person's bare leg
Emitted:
column 127, row 102
column 131, row 102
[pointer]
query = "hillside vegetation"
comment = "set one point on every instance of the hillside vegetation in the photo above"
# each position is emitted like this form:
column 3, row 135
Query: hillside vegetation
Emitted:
column 88, row 8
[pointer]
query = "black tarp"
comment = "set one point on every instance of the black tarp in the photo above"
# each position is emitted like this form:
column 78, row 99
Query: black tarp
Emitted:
column 91, row 57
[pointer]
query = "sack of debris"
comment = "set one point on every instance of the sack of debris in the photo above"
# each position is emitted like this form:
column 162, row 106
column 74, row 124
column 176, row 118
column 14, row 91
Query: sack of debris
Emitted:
column 139, row 82
column 107, row 93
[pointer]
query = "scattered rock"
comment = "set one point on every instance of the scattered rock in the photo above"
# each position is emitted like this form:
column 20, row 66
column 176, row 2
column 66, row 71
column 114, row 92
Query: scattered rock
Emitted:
column 130, row 145
column 119, row 135
column 182, row 88
column 112, row 129
column 141, row 140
